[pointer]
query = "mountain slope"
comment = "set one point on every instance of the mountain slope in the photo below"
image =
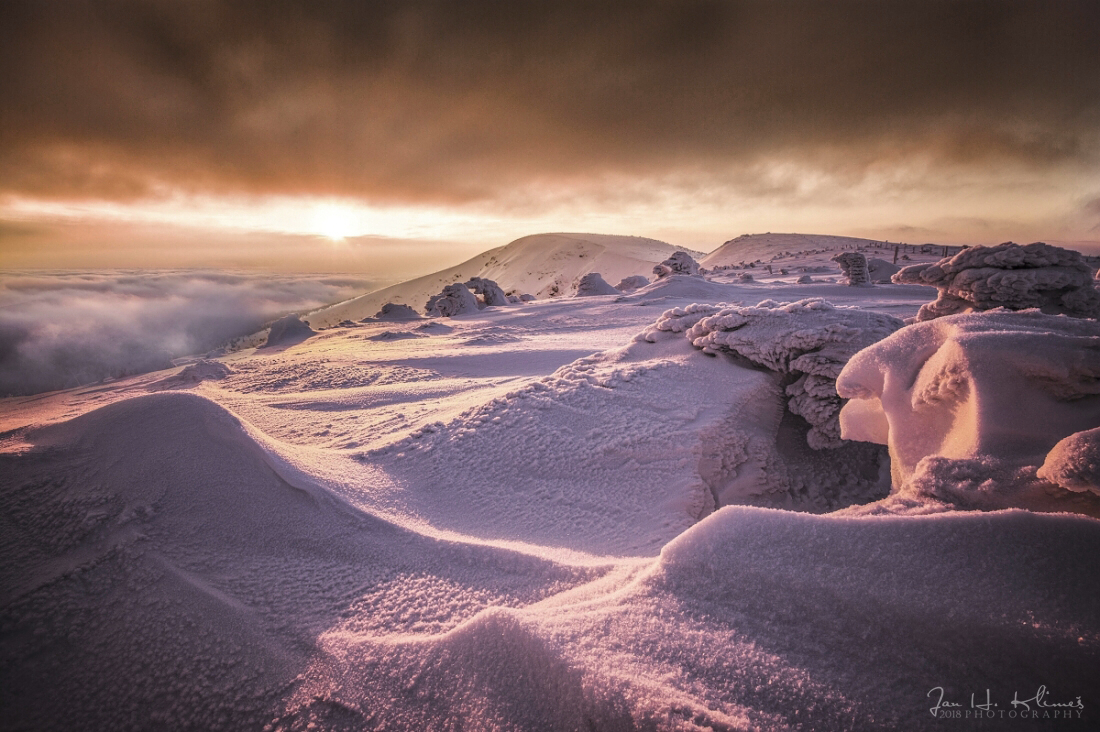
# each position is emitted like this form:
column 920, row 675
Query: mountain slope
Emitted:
column 545, row 265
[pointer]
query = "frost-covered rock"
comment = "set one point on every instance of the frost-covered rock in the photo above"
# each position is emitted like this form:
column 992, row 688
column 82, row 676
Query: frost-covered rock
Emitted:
column 808, row 341
column 854, row 267
column 593, row 284
column 631, row 283
column 396, row 311
column 745, row 277
column 680, row 263
column 1055, row 280
column 527, row 297
column 490, row 292
column 288, row 329
column 804, row 280
column 456, row 299
column 972, row 405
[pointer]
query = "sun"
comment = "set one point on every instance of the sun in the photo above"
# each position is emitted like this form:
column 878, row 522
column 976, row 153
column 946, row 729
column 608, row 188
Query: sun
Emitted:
column 334, row 222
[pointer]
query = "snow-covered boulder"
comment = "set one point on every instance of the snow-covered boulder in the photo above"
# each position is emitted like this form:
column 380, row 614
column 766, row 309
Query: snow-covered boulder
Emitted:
column 491, row 293
column 982, row 410
column 745, row 277
column 593, row 284
column 527, row 297
column 1038, row 275
column 287, row 330
column 396, row 311
column 631, row 283
column 804, row 280
column 854, row 267
column 680, row 263
column 456, row 299
column 808, row 341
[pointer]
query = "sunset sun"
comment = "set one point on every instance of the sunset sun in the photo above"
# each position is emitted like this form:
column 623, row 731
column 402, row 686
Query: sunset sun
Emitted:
column 334, row 222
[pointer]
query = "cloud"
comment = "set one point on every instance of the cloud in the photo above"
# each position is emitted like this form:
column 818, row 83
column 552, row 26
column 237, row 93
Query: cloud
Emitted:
column 464, row 101
column 64, row 329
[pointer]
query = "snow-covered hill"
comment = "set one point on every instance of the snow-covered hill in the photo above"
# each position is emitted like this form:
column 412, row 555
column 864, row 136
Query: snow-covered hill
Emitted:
column 544, row 265
column 806, row 247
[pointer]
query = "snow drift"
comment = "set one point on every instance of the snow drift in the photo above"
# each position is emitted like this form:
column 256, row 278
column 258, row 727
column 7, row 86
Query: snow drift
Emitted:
column 1038, row 275
column 972, row 405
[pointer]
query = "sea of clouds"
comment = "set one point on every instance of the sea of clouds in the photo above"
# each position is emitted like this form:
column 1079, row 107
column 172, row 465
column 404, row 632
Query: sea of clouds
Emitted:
column 64, row 329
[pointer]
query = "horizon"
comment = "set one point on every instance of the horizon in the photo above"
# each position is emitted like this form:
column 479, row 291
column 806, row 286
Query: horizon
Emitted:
column 388, row 138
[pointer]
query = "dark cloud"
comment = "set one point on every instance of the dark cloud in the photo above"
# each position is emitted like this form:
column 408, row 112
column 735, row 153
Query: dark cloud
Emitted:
column 461, row 100
column 63, row 329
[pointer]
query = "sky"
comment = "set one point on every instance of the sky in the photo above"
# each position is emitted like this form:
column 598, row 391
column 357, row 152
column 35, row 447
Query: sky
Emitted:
column 393, row 138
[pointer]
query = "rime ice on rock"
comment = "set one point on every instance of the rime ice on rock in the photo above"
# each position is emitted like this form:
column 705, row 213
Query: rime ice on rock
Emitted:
column 1055, row 280
column 809, row 340
column 854, row 267
column 288, row 329
column 680, row 263
column 971, row 406
column 594, row 284
column 804, row 280
column 631, row 283
column 456, row 299
column 491, row 293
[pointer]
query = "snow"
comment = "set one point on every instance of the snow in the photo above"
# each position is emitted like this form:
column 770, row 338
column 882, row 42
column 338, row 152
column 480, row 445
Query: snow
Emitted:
column 488, row 290
column 1037, row 275
column 574, row 513
column 971, row 405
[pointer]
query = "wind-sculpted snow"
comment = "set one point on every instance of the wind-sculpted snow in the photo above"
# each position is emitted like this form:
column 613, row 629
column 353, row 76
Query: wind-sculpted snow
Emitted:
column 179, row 581
column 456, row 299
column 752, row 619
column 593, row 284
column 972, row 406
column 680, row 263
column 809, row 341
column 1038, row 275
